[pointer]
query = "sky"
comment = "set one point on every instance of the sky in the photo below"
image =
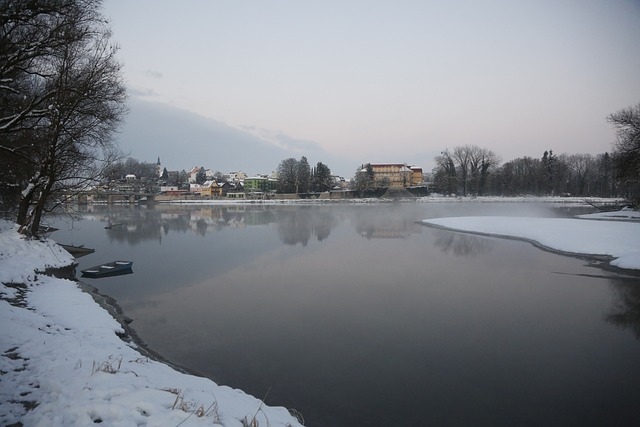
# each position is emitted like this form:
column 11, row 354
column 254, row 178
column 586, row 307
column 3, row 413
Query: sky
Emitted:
column 376, row 81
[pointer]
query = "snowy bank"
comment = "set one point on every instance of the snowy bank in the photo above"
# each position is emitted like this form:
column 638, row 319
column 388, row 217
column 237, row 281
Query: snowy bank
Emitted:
column 63, row 362
column 592, row 237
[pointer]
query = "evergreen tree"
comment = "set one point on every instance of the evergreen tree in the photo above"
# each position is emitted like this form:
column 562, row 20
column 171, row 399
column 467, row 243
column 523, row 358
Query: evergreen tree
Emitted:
column 547, row 177
column 322, row 180
column 303, row 176
column 201, row 176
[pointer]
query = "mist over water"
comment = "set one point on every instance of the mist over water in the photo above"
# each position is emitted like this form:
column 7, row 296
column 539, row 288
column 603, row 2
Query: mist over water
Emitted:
column 359, row 315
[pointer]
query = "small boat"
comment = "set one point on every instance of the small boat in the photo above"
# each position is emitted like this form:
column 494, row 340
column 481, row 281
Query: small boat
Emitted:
column 45, row 230
column 110, row 226
column 77, row 251
column 114, row 268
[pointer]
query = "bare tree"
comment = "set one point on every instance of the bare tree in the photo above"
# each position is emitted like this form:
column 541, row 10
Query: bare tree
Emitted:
column 626, row 154
column 444, row 174
column 287, row 175
column 76, row 103
column 473, row 165
column 583, row 171
column 364, row 179
column 29, row 33
column 482, row 162
column 605, row 184
column 462, row 157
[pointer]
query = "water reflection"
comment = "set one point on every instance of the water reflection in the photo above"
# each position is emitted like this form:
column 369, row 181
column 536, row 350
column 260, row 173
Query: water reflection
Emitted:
column 396, row 328
column 461, row 244
column 372, row 224
column 297, row 225
column 294, row 224
column 137, row 224
column 626, row 313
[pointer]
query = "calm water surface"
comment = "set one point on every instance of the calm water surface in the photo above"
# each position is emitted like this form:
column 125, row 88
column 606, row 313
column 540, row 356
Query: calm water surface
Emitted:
column 357, row 315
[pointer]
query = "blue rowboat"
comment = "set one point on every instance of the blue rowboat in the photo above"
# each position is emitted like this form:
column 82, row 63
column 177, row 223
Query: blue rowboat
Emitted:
column 114, row 268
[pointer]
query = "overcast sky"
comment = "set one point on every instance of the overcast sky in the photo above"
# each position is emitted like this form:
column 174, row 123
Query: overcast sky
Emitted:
column 387, row 81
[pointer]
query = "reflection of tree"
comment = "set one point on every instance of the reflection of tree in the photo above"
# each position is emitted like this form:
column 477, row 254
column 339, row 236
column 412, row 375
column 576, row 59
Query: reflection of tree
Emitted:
column 626, row 313
column 201, row 227
column 390, row 225
column 461, row 244
column 136, row 224
column 323, row 225
column 299, row 224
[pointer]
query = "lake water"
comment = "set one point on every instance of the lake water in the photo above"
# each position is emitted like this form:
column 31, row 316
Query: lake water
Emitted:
column 356, row 315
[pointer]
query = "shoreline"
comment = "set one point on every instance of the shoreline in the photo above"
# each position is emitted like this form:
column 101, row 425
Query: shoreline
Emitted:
column 71, row 357
column 111, row 306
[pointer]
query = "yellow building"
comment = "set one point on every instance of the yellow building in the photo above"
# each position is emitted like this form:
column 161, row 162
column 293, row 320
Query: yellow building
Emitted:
column 396, row 175
column 416, row 176
column 208, row 189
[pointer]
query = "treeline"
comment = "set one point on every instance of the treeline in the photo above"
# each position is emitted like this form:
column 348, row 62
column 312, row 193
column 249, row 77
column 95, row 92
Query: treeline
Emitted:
column 297, row 176
column 475, row 171
column 130, row 166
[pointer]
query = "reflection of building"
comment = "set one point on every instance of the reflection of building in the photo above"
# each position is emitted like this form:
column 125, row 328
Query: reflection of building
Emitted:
column 394, row 230
column 396, row 175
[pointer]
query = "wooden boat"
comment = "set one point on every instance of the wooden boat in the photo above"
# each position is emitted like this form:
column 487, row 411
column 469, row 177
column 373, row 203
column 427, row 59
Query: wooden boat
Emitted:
column 45, row 230
column 77, row 251
column 114, row 268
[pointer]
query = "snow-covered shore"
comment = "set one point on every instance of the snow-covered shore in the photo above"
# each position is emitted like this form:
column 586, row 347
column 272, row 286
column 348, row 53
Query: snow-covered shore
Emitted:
column 610, row 234
column 64, row 361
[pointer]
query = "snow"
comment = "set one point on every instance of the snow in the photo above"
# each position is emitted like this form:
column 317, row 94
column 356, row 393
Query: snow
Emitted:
column 616, row 239
column 63, row 362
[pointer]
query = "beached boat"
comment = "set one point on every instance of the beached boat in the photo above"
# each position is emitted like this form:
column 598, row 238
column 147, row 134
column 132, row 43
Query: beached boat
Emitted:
column 45, row 230
column 114, row 268
column 77, row 251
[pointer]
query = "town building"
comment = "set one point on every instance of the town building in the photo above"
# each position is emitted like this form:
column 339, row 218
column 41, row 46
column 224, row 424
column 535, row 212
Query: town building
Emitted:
column 207, row 189
column 395, row 175
column 235, row 177
column 417, row 177
column 260, row 183
column 193, row 174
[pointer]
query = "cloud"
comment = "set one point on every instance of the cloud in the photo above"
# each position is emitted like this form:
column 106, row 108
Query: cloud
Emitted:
column 282, row 140
column 183, row 139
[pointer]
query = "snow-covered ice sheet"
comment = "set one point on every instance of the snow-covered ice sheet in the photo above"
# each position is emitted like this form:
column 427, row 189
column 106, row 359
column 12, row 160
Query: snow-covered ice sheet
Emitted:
column 619, row 240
